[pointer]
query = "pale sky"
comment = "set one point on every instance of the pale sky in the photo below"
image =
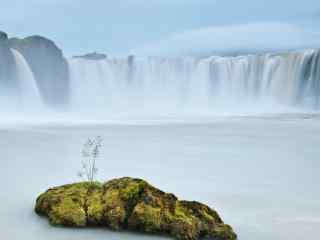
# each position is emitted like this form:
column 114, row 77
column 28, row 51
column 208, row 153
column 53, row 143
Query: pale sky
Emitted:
column 118, row 27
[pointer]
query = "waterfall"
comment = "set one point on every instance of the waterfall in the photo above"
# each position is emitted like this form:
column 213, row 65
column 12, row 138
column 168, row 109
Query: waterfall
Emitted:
column 290, row 79
column 28, row 92
column 91, row 83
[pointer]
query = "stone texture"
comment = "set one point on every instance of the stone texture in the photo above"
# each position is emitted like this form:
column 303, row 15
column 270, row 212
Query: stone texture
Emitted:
column 133, row 204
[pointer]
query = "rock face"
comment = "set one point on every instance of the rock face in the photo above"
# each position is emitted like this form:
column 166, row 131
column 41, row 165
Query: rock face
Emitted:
column 133, row 204
column 8, row 73
column 3, row 36
column 93, row 56
column 48, row 65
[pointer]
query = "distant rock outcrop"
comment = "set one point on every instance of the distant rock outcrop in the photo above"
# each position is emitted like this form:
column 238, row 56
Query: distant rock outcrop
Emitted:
column 48, row 65
column 3, row 36
column 133, row 204
column 8, row 73
column 92, row 56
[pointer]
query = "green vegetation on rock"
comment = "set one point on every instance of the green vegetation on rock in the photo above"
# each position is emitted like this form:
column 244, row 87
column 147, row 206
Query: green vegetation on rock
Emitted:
column 133, row 204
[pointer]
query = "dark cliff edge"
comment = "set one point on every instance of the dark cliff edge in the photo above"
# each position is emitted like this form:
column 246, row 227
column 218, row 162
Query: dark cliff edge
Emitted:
column 48, row 65
column 8, row 73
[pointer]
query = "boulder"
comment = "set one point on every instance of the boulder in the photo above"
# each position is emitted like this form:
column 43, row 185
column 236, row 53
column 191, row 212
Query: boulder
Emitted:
column 131, row 204
column 48, row 65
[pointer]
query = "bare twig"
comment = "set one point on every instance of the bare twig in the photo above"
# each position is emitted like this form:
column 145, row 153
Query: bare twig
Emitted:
column 90, row 152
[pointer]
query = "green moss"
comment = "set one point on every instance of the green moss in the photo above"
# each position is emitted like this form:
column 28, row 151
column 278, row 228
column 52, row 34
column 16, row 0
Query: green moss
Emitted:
column 128, row 203
column 68, row 213
column 224, row 232
column 94, row 205
column 115, row 217
column 131, row 190
column 111, row 198
column 127, row 188
column 181, row 213
column 65, row 205
column 145, row 217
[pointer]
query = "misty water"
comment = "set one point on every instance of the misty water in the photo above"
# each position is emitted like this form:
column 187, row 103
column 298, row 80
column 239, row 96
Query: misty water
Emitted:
column 259, row 172
column 240, row 134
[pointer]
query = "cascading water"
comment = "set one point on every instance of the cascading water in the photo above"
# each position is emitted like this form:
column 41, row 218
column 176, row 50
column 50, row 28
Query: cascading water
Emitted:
column 291, row 79
column 92, row 77
column 28, row 93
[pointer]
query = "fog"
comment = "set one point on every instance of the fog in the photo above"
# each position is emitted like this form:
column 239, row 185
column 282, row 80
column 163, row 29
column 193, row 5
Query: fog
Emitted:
column 165, row 87
column 260, row 173
column 248, row 149
column 226, row 113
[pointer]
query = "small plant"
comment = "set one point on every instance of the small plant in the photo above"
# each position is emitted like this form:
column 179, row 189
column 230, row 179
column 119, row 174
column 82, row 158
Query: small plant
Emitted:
column 90, row 152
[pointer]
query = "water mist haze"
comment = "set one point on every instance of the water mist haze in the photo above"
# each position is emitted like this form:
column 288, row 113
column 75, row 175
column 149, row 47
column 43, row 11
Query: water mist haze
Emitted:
column 236, row 69
column 156, row 87
column 215, row 101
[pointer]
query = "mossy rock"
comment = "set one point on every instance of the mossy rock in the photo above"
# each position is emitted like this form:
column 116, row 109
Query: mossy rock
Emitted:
column 132, row 204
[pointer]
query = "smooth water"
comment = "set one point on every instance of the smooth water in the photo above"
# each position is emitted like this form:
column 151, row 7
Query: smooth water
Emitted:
column 260, row 172
column 238, row 133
